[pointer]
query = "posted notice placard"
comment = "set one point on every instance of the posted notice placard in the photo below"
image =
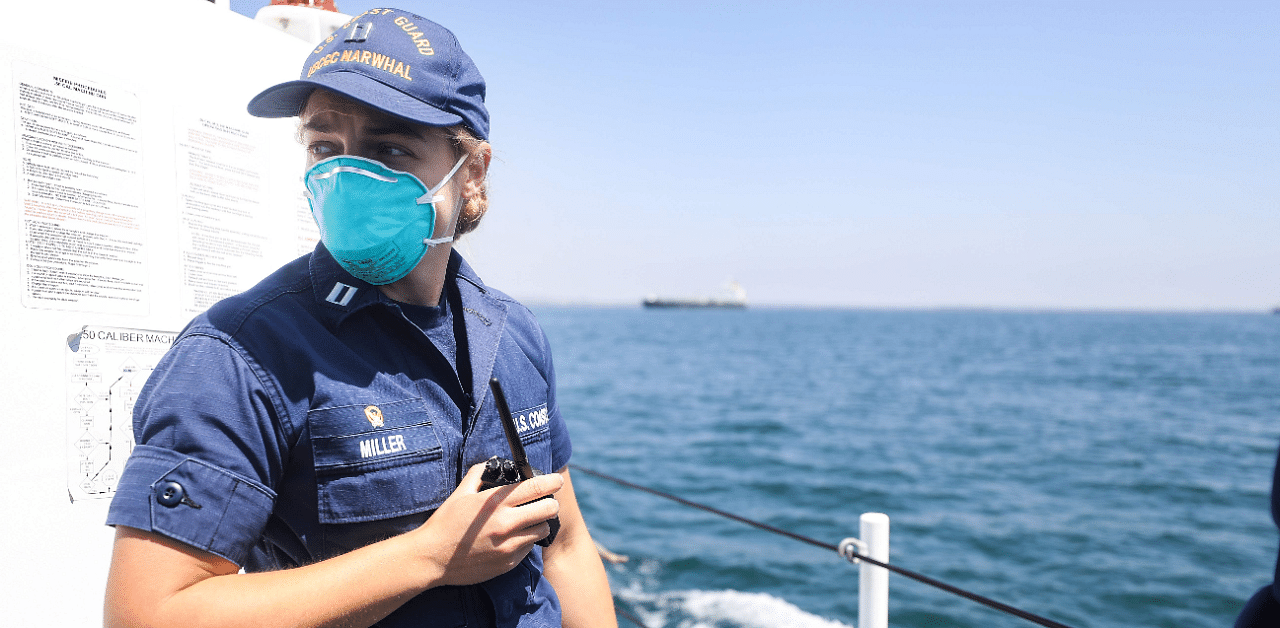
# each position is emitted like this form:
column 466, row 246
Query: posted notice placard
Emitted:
column 80, row 219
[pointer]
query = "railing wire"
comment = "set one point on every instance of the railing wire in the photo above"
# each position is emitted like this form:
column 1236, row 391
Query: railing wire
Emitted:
column 981, row 599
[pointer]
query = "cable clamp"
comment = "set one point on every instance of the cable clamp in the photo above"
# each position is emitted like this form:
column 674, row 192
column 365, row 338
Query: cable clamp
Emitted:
column 851, row 548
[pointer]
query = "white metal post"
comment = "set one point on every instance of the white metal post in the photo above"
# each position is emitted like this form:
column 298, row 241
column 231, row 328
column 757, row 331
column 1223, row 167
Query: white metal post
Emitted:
column 873, row 581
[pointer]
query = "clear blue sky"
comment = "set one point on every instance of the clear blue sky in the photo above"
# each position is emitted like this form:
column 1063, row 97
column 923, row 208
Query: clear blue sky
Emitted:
column 1071, row 154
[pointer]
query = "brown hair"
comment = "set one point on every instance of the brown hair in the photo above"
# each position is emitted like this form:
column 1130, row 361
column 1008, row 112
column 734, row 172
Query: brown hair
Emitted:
column 466, row 142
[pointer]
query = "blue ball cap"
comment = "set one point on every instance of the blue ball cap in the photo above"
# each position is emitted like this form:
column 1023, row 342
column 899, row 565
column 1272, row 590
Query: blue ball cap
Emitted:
column 392, row 60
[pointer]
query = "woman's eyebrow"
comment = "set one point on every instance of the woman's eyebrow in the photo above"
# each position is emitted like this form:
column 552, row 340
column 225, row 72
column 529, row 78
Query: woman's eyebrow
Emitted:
column 394, row 128
column 313, row 125
column 383, row 128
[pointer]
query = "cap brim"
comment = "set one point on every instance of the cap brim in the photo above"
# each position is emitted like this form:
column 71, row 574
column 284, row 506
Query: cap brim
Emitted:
column 286, row 99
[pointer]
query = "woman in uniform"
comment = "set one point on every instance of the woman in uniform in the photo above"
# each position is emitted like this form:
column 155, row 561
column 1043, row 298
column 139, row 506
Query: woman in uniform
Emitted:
column 323, row 431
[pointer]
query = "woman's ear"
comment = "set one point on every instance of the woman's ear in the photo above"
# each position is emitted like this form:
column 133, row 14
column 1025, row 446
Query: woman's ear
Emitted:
column 475, row 171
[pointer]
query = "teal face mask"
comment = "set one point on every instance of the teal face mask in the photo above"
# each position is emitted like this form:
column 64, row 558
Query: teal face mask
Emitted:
column 377, row 222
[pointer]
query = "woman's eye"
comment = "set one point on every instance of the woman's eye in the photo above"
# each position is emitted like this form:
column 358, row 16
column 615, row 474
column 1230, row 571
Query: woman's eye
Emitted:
column 320, row 149
column 393, row 151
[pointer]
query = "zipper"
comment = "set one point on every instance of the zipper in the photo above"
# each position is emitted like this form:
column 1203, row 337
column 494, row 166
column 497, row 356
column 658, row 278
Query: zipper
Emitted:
column 469, row 424
column 466, row 437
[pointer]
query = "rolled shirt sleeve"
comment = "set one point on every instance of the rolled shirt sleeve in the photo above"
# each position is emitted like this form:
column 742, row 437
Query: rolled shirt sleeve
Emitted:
column 209, row 450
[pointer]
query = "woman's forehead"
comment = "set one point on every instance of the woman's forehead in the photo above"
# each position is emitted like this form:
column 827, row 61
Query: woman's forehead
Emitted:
column 326, row 102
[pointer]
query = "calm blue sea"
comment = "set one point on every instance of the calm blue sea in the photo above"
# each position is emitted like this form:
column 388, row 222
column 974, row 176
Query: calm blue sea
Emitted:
column 1100, row 469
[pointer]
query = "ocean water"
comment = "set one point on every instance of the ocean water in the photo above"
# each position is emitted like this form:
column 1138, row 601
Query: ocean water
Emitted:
column 1100, row 469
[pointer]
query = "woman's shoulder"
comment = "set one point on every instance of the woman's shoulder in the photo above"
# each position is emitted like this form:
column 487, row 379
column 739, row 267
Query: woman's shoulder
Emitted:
column 274, row 303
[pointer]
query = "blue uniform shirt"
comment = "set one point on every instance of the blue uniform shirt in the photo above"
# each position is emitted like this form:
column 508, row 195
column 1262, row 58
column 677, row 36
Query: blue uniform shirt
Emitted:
column 308, row 417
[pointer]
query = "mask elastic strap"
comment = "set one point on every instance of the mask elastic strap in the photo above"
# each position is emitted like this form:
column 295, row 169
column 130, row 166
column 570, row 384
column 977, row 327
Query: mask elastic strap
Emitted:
column 449, row 238
column 430, row 196
column 430, row 242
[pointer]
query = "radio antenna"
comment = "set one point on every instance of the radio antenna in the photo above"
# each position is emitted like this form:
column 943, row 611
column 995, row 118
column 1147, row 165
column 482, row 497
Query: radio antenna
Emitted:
column 509, row 426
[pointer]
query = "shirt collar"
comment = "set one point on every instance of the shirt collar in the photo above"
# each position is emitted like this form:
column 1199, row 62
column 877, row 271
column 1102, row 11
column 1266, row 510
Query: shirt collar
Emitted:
column 336, row 291
column 339, row 294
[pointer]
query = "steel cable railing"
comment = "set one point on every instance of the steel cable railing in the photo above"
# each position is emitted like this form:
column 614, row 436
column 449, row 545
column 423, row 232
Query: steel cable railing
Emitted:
column 981, row 599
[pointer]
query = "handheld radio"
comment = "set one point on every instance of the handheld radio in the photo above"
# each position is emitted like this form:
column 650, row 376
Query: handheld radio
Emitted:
column 500, row 471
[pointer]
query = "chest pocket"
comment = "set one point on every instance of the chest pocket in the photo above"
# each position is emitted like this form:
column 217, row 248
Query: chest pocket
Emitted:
column 376, row 461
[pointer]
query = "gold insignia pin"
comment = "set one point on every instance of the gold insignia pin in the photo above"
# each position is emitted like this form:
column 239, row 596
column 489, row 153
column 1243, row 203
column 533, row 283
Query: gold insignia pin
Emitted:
column 374, row 415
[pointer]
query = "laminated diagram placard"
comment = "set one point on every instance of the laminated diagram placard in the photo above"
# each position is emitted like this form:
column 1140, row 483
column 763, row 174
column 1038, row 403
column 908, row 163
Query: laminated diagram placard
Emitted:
column 106, row 368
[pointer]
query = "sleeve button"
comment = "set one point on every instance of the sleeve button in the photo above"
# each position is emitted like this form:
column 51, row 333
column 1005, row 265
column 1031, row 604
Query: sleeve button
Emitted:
column 170, row 494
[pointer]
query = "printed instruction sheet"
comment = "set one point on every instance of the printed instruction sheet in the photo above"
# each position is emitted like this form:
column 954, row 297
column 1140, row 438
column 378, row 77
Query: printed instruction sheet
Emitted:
column 224, row 229
column 81, row 217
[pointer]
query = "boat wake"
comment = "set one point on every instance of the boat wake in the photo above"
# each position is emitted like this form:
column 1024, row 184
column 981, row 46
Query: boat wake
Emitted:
column 712, row 609
column 721, row 609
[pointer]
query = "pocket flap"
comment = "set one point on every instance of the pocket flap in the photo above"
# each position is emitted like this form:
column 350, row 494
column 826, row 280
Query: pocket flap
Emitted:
column 376, row 461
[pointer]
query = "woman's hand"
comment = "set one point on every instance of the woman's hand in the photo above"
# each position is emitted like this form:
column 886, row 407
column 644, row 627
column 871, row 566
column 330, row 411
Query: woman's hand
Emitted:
column 475, row 536
column 472, row 537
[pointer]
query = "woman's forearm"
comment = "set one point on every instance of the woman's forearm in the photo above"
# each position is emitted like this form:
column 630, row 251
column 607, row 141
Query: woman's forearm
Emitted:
column 158, row 582
column 574, row 569
column 155, row 581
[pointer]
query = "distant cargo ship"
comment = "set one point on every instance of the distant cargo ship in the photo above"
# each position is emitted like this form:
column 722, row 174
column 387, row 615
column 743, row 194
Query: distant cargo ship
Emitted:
column 692, row 303
column 734, row 297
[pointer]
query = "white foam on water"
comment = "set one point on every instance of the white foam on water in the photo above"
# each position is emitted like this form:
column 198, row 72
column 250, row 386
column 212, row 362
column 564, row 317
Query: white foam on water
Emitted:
column 749, row 610
column 720, row 609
